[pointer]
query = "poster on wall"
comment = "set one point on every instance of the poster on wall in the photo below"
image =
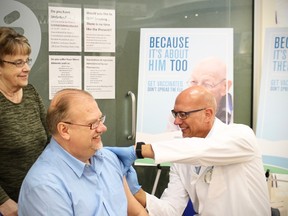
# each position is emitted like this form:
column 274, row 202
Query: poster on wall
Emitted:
column 64, row 72
column 272, row 119
column 99, row 30
column 99, row 77
column 65, row 28
column 170, row 61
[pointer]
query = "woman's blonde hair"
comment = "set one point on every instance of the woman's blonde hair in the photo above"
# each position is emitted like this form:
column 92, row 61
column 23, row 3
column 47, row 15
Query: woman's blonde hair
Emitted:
column 12, row 43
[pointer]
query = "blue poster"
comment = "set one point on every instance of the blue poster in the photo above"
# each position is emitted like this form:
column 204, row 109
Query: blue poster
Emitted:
column 272, row 119
column 167, row 65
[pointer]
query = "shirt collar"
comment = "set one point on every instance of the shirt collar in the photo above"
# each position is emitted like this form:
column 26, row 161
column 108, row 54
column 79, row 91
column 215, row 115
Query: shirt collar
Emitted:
column 216, row 124
column 97, row 161
column 76, row 165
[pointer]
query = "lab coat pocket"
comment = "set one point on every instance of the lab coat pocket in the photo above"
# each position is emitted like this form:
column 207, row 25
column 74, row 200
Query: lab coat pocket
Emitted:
column 217, row 183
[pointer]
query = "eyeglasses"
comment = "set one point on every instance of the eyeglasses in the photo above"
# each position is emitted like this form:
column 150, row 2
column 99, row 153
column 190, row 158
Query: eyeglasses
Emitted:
column 205, row 84
column 19, row 63
column 92, row 126
column 184, row 115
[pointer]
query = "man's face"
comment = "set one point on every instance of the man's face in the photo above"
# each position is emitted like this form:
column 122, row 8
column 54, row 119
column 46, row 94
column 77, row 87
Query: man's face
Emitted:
column 211, row 73
column 83, row 141
column 194, row 124
column 211, row 81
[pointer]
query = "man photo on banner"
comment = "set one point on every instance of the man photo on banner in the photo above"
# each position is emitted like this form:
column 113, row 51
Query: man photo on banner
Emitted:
column 211, row 72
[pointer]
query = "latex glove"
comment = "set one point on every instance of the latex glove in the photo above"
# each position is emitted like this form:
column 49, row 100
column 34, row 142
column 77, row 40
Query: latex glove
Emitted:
column 132, row 180
column 126, row 154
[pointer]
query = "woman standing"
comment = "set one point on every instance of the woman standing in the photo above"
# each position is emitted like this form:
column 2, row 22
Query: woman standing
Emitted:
column 23, row 133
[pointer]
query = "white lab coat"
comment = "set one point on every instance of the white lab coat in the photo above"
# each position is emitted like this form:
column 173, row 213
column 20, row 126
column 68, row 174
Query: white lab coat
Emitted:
column 237, row 185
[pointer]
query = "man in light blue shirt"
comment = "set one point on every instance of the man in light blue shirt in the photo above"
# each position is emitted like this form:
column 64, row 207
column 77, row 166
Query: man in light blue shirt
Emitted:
column 75, row 175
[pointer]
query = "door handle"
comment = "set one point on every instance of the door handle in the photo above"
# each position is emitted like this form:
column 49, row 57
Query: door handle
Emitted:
column 133, row 99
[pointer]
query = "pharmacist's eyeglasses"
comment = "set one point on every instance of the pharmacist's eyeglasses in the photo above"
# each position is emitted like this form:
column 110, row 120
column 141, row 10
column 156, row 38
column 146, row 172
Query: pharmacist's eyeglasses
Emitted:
column 184, row 115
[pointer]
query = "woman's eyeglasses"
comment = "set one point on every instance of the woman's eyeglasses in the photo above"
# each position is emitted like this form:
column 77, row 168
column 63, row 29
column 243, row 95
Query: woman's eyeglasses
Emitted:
column 19, row 63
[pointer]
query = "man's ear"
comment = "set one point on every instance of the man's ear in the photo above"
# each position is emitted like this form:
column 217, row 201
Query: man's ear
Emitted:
column 63, row 130
column 209, row 113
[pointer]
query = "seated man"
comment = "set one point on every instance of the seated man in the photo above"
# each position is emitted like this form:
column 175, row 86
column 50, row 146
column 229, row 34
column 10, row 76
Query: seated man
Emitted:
column 74, row 175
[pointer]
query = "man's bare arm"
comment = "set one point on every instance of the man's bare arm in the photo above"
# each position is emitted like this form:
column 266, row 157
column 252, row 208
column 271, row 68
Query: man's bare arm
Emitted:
column 134, row 207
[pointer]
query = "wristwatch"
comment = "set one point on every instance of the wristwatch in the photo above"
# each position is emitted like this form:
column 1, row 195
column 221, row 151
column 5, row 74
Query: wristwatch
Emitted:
column 139, row 149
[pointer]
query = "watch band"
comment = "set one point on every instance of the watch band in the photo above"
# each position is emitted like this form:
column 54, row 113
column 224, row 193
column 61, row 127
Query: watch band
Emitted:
column 139, row 149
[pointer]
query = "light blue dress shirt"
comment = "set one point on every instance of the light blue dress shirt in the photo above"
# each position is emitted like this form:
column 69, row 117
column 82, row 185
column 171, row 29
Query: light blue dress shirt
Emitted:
column 58, row 184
